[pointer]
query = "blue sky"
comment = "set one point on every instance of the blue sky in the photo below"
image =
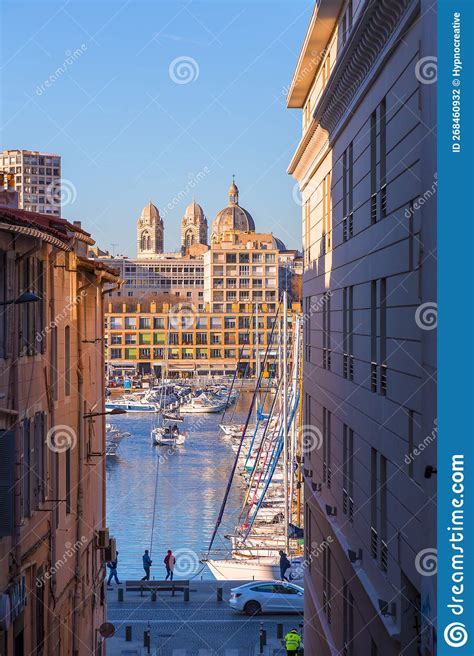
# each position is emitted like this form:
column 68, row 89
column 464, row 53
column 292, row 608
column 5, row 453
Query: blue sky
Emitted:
column 127, row 127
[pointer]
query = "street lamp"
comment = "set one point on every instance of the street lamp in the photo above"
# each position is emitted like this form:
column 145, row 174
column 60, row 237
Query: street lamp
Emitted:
column 114, row 411
column 24, row 297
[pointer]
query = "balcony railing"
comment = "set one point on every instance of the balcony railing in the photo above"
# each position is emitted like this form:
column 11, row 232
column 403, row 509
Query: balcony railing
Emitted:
column 383, row 379
column 373, row 376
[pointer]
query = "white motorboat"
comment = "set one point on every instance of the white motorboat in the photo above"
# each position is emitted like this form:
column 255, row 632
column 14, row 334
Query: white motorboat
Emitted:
column 132, row 405
column 111, row 449
column 202, row 404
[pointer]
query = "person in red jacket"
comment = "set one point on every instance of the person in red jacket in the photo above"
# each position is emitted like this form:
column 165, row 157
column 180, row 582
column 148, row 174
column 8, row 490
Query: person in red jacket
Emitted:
column 169, row 564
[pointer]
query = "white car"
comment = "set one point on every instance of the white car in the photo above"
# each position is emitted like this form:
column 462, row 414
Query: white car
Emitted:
column 267, row 597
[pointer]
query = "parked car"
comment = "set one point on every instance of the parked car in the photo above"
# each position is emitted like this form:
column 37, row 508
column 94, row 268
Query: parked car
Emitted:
column 267, row 597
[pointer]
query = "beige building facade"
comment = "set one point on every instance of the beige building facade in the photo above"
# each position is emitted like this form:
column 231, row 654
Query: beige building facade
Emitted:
column 52, row 438
column 366, row 157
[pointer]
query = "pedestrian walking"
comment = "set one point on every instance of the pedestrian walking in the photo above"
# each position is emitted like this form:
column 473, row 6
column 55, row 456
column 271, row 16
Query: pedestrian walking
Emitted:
column 169, row 564
column 112, row 565
column 285, row 565
column 147, row 561
column 292, row 642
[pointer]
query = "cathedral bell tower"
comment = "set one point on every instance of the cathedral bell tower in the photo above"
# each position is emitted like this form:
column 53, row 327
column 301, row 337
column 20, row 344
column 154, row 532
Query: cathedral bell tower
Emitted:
column 150, row 232
column 193, row 226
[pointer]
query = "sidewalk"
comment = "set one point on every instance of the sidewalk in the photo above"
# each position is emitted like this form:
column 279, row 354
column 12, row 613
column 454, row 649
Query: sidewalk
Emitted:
column 201, row 627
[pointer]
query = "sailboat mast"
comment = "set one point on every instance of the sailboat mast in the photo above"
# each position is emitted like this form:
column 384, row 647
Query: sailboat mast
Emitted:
column 285, row 418
column 257, row 353
column 257, row 360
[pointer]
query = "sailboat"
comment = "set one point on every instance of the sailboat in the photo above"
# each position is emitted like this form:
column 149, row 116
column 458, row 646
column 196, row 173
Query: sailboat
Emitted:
column 168, row 435
column 167, row 431
column 266, row 458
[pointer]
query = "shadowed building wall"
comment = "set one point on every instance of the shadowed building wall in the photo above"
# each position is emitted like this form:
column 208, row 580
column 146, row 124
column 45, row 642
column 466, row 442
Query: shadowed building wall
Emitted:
column 365, row 165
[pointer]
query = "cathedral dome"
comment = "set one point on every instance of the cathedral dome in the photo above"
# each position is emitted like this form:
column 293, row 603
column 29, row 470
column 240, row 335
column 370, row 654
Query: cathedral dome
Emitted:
column 277, row 243
column 149, row 213
column 233, row 217
column 194, row 211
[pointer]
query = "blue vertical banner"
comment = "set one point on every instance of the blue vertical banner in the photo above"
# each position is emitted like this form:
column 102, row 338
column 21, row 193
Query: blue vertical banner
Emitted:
column 455, row 625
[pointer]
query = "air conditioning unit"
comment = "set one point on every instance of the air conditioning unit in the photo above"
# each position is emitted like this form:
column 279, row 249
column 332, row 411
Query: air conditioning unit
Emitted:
column 103, row 538
column 110, row 552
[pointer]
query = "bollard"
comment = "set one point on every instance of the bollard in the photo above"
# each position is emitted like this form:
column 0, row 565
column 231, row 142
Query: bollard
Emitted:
column 219, row 594
column 279, row 630
column 146, row 638
column 261, row 639
column 120, row 594
column 148, row 651
column 128, row 633
column 153, row 595
column 186, row 594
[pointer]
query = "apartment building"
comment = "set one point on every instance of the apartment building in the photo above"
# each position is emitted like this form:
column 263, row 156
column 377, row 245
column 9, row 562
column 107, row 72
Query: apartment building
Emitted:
column 190, row 312
column 366, row 167
column 171, row 275
column 181, row 342
column 37, row 179
column 52, row 438
column 242, row 268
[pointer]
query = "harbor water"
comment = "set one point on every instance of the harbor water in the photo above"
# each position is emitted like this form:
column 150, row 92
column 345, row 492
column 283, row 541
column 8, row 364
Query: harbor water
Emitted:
column 181, row 487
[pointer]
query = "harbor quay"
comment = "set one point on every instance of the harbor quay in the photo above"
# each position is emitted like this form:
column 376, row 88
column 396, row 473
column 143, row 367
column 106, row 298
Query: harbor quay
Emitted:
column 202, row 626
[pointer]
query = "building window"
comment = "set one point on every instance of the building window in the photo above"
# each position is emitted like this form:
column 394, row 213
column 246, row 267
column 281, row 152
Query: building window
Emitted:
column 327, row 587
column 383, row 515
column 173, row 338
column 383, row 337
column 308, row 538
column 327, row 214
column 115, row 323
column 378, row 310
column 348, row 332
column 373, row 336
column 307, row 232
column 378, row 510
column 348, row 193
column 54, row 363
column 26, row 473
column 410, row 443
column 327, row 472
column 347, row 620
column 327, row 332
column 67, row 361
column 373, row 167
column 326, row 69
column 348, row 472
column 68, row 479
column 41, row 459
column 383, row 158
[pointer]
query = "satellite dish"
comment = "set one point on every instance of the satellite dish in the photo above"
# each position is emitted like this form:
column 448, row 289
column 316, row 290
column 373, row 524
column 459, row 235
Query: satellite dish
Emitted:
column 107, row 630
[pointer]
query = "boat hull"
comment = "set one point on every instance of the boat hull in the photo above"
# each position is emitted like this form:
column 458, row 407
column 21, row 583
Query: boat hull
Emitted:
column 248, row 569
